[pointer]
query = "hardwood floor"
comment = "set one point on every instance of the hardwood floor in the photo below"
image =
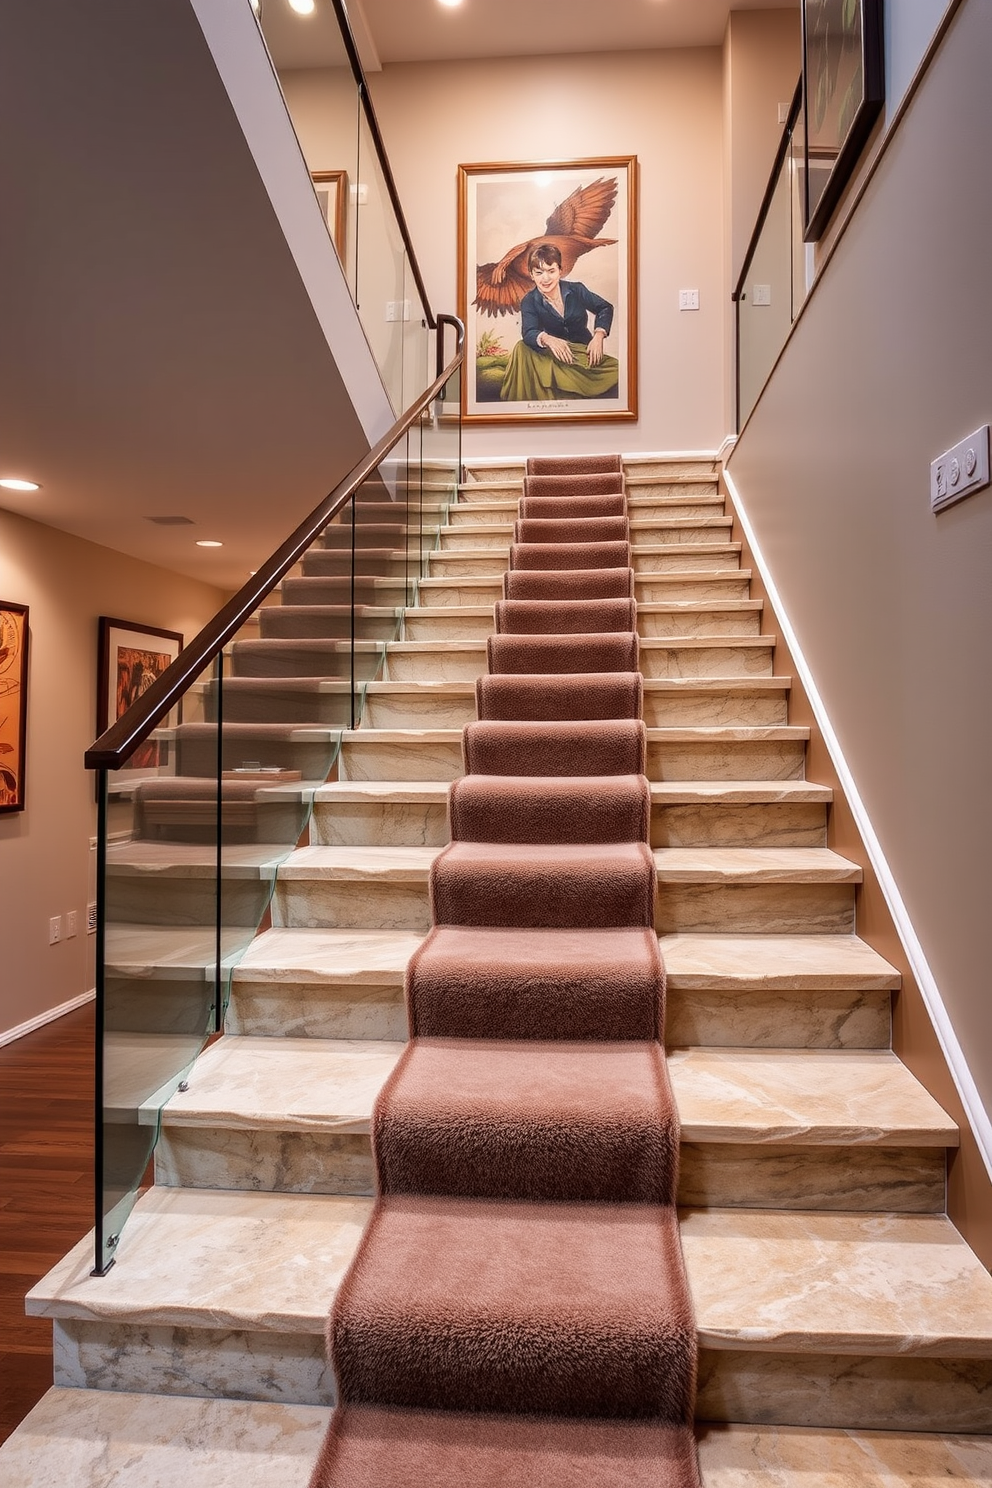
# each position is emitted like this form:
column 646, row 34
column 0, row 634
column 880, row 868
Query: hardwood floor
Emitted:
column 46, row 1189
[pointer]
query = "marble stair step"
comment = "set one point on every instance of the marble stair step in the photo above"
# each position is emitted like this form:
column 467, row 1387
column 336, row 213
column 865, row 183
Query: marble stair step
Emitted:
column 795, row 1129
column 668, row 701
column 731, row 617
column 704, row 889
column 756, row 890
column 644, row 532
column 718, row 813
column 721, row 752
column 777, row 991
column 308, row 747
column 118, row 1439
column 808, row 1129
column 731, row 583
column 676, row 656
column 167, row 883
column 504, row 505
column 660, row 558
column 820, row 1457
column 322, row 983
column 874, row 1320
column 316, row 622
column 213, row 1293
column 867, row 1321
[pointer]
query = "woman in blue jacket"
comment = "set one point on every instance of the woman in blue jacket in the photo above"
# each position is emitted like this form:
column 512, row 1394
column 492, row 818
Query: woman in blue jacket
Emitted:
column 558, row 356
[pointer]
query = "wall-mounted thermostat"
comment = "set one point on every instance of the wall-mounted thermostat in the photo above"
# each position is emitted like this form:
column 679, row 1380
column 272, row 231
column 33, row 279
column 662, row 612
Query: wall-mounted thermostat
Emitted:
column 961, row 470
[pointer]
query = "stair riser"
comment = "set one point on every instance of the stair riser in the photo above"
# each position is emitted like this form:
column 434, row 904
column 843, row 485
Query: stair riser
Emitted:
column 851, row 1391
column 321, row 563
column 312, row 759
column 648, row 590
column 393, row 823
column 755, row 909
column 436, row 663
column 737, row 909
column 503, row 508
column 756, row 1017
column 338, row 591
column 909, row 1180
column 432, row 625
column 773, row 759
column 330, row 708
column 183, row 901
column 218, row 1363
column 712, row 557
column 290, row 626
column 456, row 537
column 304, row 1010
column 672, row 710
column 289, row 663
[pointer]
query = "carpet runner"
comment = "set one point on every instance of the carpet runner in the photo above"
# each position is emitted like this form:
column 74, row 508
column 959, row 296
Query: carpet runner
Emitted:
column 517, row 1312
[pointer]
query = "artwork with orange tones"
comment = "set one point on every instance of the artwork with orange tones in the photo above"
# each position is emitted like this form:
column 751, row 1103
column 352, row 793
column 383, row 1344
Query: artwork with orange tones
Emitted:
column 131, row 658
column 13, row 703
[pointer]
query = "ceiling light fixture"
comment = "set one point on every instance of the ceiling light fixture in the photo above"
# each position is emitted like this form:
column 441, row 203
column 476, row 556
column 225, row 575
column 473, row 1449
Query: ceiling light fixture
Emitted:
column 450, row 4
column 302, row 7
column 14, row 483
column 208, row 542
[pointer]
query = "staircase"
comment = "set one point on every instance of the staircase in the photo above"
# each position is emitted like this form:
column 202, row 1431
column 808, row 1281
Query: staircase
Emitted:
column 833, row 1299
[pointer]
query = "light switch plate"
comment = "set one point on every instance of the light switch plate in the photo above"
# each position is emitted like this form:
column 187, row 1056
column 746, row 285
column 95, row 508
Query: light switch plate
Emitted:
column 761, row 294
column 688, row 299
column 960, row 470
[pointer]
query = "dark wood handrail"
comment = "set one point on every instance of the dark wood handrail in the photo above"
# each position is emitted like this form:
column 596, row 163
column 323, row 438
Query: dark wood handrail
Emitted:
column 766, row 200
column 113, row 748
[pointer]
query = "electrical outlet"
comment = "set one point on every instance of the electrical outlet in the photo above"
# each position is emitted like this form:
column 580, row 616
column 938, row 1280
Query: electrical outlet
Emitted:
column 688, row 299
column 55, row 930
column 70, row 924
column 961, row 470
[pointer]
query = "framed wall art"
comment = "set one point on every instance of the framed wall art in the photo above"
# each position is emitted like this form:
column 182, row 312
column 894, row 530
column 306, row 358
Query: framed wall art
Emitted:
column 547, row 287
column 13, row 703
column 332, row 193
column 131, row 657
column 843, row 92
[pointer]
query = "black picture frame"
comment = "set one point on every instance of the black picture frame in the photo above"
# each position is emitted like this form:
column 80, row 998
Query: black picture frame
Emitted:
column 843, row 93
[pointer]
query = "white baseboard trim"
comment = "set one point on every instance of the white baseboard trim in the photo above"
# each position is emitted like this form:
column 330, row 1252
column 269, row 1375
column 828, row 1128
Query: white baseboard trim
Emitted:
column 978, row 1117
column 23, row 1029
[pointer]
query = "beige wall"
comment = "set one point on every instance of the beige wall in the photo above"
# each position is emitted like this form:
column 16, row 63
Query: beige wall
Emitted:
column 45, row 849
column 887, row 367
column 664, row 107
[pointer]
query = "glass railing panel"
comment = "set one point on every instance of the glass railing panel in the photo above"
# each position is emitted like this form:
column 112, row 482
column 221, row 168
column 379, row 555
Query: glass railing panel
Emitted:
column 381, row 296
column 765, row 303
column 803, row 253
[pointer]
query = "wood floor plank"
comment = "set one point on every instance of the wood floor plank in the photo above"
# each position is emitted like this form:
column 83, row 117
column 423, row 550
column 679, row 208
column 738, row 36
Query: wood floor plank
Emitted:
column 46, row 1177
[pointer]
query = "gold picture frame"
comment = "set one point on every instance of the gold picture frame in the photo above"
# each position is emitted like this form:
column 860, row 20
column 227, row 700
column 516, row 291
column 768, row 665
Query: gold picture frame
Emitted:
column 517, row 369
column 13, row 703
column 331, row 188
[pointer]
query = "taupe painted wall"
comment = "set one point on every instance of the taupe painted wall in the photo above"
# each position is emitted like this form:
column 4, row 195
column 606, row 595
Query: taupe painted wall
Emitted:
column 45, row 849
column 665, row 107
column 888, row 366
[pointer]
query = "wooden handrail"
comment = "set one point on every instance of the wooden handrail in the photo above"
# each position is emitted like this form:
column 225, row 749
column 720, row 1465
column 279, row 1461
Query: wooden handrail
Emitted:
column 114, row 747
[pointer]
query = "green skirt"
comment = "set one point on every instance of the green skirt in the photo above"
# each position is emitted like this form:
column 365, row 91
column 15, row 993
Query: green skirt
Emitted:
column 536, row 375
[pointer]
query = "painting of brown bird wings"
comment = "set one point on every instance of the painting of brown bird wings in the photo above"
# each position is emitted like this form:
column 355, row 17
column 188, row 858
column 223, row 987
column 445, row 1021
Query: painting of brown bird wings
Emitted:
column 572, row 227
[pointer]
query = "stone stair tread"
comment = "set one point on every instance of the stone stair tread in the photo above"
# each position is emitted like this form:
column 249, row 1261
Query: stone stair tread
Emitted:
column 290, row 1084
column 841, row 1283
column 769, row 1280
column 777, row 962
column 754, row 865
column 747, row 733
column 825, row 1457
column 214, row 1259
column 448, row 689
column 647, row 607
column 113, row 1439
column 767, row 1096
column 668, row 792
column 804, row 1096
column 328, row 957
column 398, row 864
column 193, row 859
column 647, row 643
column 167, row 950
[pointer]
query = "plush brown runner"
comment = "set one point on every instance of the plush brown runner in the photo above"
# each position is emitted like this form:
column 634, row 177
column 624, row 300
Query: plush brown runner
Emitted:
column 517, row 1312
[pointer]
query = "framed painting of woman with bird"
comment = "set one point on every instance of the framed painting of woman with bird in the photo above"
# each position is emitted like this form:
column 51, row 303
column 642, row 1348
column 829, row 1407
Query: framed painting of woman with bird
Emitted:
column 547, row 290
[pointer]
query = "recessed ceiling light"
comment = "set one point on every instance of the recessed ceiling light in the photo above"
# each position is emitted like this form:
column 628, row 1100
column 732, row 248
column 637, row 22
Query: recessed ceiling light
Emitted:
column 14, row 483
column 208, row 542
column 451, row 4
column 302, row 7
